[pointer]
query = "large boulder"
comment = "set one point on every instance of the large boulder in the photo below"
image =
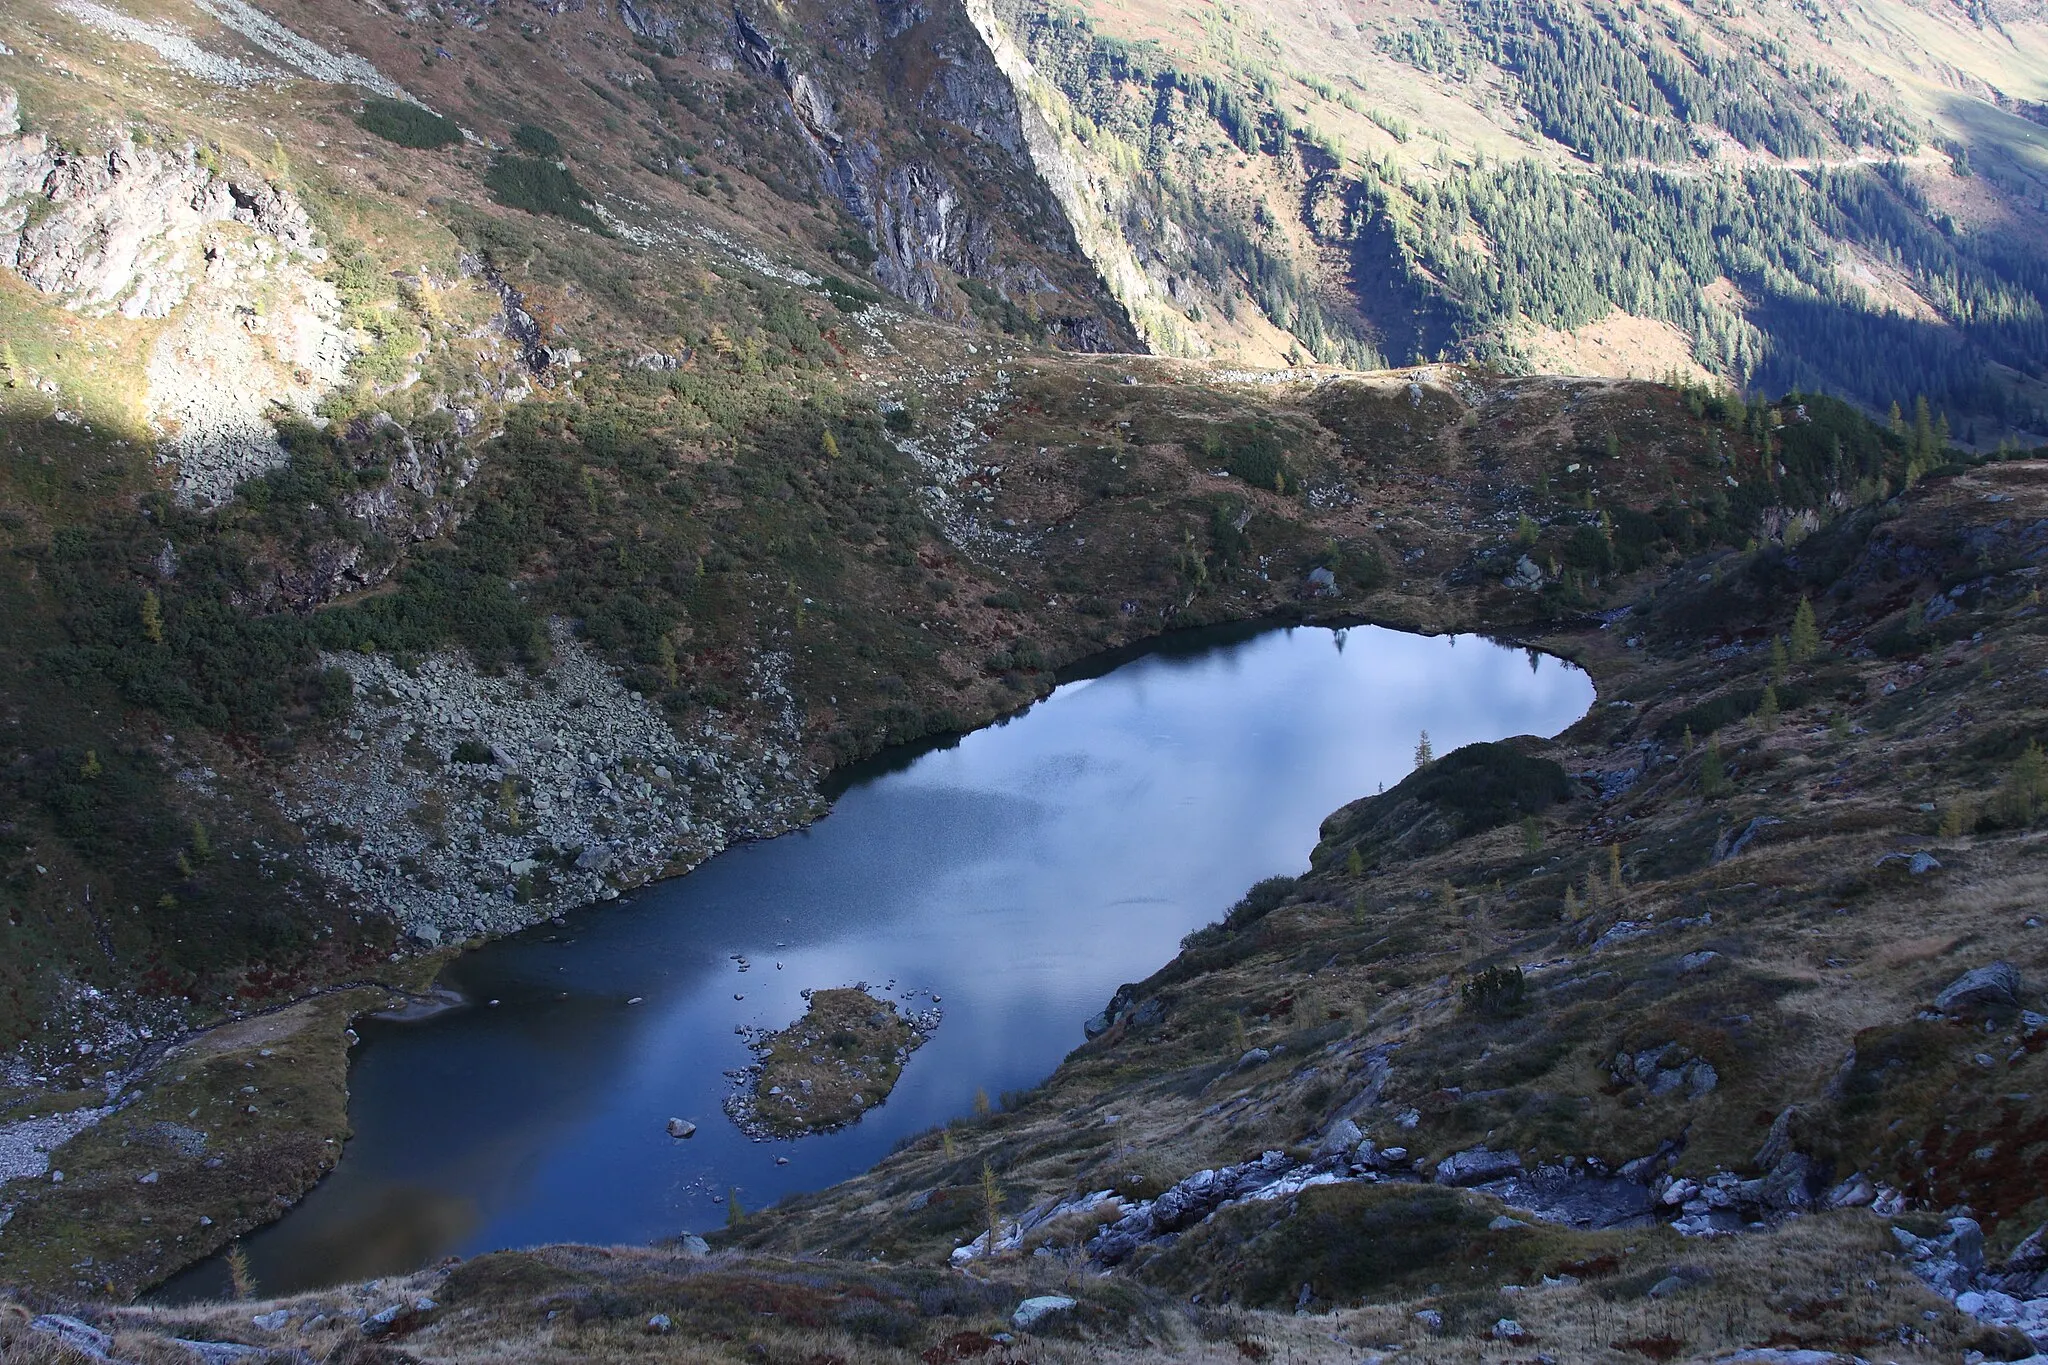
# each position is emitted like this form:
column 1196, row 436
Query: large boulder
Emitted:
column 1343, row 1135
column 1035, row 1310
column 1477, row 1166
column 1993, row 988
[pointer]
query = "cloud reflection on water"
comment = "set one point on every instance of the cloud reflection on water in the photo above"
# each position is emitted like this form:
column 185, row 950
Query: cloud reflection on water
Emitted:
column 1022, row 874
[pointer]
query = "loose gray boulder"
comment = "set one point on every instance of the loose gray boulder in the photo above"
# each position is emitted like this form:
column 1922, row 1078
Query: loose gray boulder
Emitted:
column 681, row 1128
column 1035, row 1310
column 1342, row 1137
column 1993, row 987
column 221, row 1352
column 1125, row 1005
column 82, row 1337
column 1476, row 1166
column 1966, row 1243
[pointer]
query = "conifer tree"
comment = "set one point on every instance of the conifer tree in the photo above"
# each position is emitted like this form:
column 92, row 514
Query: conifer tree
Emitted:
column 1805, row 633
column 991, row 1206
column 239, row 1276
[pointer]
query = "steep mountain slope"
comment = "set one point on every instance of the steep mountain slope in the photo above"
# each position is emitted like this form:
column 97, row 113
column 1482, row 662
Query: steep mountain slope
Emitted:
column 235, row 256
column 1839, row 196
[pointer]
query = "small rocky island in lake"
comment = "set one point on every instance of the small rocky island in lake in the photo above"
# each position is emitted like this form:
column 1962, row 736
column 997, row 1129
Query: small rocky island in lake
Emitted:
column 829, row 1067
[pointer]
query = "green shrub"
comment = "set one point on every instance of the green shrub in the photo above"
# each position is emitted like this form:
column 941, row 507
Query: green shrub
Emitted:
column 1253, row 453
column 853, row 242
column 1348, row 1241
column 540, row 187
column 1359, row 568
column 1262, row 900
column 471, row 751
column 849, row 297
column 1588, row 549
column 1001, row 311
column 407, row 124
column 1484, row 785
column 529, row 137
column 2019, row 798
column 1496, row 991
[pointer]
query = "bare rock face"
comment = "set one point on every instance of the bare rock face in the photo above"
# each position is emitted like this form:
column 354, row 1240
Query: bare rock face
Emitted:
column 263, row 333
column 959, row 196
column 120, row 223
column 153, row 232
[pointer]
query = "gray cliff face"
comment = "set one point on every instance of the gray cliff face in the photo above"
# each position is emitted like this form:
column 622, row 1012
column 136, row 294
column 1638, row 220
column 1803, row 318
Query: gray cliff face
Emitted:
column 157, row 233
column 918, row 134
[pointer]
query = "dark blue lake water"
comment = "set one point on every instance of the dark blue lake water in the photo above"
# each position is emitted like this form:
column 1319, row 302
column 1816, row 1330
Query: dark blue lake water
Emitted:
column 1021, row 875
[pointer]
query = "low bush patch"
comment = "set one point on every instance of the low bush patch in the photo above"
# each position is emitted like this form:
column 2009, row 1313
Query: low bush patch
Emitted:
column 407, row 124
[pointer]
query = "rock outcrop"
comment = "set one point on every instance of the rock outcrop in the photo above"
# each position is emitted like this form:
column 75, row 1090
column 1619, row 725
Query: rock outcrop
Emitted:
column 962, row 198
column 151, row 232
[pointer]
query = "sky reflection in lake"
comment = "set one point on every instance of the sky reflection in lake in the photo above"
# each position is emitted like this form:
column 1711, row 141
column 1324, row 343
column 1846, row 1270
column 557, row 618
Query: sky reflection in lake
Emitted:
column 1021, row 874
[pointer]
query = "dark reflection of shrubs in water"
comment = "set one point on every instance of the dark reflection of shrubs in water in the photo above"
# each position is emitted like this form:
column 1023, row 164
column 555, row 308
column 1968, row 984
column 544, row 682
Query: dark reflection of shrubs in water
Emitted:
column 398, row 1225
